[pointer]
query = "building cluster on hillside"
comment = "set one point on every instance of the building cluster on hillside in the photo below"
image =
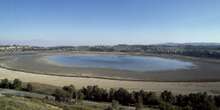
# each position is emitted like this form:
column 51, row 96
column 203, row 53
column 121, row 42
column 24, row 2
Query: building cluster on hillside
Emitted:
column 13, row 47
column 212, row 51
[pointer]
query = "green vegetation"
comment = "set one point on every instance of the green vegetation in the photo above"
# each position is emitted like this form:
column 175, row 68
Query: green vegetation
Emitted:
column 29, row 87
column 70, row 98
column 18, row 103
column 39, row 88
column 81, row 107
column 166, row 100
column 16, row 84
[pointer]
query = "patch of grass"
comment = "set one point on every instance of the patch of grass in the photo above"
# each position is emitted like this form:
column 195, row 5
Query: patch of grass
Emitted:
column 19, row 103
column 42, row 88
column 81, row 107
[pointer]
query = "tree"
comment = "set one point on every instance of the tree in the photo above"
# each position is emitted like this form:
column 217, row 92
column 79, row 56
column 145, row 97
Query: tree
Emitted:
column 139, row 104
column 95, row 93
column 111, row 95
column 29, row 87
column 79, row 97
column 167, row 97
column 5, row 84
column 17, row 84
column 217, row 100
column 187, row 108
column 123, row 96
column 201, row 101
column 61, row 95
column 166, row 106
column 150, row 98
column 182, row 100
column 71, row 91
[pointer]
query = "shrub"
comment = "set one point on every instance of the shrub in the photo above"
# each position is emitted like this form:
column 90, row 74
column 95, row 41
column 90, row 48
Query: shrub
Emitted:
column 217, row 100
column 167, row 97
column 17, row 84
column 5, row 84
column 29, row 87
column 166, row 106
column 61, row 95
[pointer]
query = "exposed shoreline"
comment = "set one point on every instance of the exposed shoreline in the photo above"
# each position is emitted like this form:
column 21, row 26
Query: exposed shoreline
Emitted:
column 82, row 80
column 208, row 70
column 176, row 87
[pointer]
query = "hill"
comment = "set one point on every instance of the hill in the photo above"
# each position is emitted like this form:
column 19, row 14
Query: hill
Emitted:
column 19, row 103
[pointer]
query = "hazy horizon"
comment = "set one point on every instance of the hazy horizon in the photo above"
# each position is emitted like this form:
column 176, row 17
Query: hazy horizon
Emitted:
column 108, row 22
column 53, row 44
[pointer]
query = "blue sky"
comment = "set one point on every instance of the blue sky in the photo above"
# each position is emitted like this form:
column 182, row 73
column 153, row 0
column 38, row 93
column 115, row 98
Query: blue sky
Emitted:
column 108, row 22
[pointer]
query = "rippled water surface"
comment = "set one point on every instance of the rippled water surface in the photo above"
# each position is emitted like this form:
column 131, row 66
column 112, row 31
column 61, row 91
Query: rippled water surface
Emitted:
column 121, row 62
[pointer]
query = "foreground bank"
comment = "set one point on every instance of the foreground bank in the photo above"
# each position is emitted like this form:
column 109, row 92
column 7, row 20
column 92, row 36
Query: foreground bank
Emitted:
column 175, row 87
column 68, row 98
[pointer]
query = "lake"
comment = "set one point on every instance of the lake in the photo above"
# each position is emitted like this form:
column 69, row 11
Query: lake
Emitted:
column 121, row 62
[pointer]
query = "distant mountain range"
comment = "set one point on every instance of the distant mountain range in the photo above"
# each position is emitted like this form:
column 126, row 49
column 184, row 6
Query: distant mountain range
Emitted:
column 56, row 44
column 193, row 44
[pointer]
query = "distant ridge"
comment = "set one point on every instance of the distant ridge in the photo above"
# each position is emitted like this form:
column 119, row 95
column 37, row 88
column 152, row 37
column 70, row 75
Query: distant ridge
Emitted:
column 44, row 43
column 193, row 44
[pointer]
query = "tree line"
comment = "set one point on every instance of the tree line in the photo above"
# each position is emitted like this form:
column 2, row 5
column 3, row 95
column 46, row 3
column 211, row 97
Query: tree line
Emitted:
column 166, row 100
column 16, row 84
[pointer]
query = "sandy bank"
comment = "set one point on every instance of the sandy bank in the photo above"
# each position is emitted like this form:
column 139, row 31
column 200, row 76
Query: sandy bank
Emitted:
column 176, row 87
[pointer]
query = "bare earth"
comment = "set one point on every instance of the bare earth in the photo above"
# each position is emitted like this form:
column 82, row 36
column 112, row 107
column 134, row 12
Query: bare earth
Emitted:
column 205, row 70
column 176, row 87
column 35, row 68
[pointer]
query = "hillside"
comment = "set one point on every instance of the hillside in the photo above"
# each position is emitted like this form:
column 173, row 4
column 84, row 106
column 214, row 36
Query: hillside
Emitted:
column 19, row 103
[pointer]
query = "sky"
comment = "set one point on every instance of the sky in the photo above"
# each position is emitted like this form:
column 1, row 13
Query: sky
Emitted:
column 108, row 22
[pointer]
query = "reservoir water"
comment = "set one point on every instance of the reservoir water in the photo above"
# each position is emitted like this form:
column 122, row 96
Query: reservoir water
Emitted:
column 121, row 62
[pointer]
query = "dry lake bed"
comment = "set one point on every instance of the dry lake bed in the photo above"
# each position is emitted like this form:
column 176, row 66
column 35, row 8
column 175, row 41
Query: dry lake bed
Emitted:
column 152, row 73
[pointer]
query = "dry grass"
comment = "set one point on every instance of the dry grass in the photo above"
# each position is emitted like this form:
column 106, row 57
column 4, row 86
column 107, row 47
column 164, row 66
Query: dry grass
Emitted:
column 176, row 87
column 19, row 103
